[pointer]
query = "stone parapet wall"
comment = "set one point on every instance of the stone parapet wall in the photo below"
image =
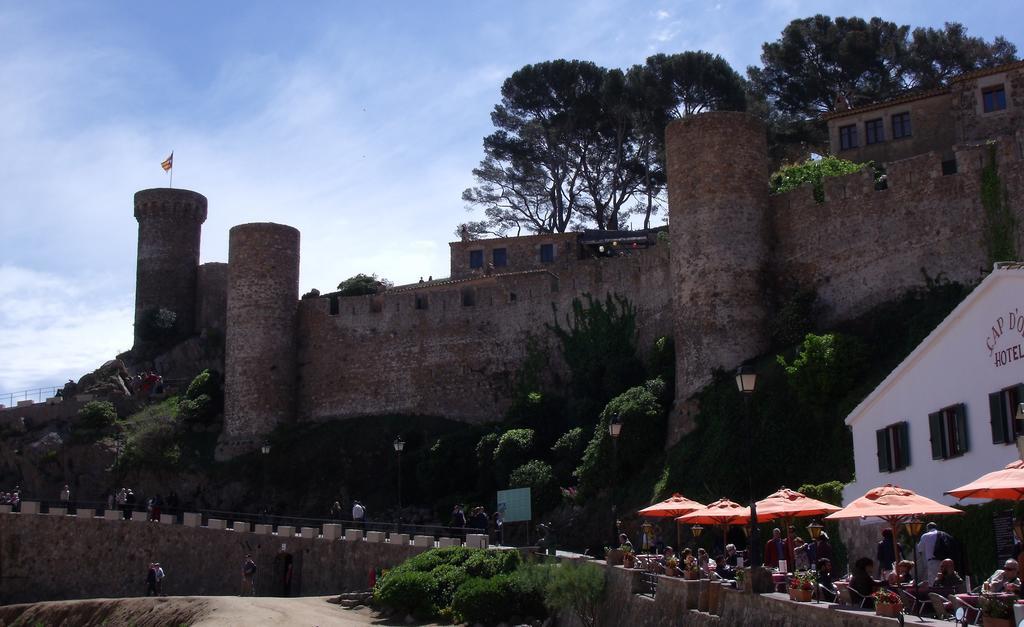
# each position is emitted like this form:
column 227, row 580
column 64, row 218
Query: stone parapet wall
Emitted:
column 863, row 247
column 66, row 557
column 382, row 355
column 212, row 297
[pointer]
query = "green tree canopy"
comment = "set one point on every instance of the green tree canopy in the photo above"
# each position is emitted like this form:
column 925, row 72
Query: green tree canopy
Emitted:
column 362, row 284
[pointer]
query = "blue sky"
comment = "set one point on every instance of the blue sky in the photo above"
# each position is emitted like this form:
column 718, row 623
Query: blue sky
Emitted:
column 357, row 124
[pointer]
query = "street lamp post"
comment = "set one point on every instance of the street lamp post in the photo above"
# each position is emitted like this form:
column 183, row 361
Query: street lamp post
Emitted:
column 746, row 381
column 264, row 451
column 614, row 429
column 815, row 530
column 914, row 527
column 399, row 445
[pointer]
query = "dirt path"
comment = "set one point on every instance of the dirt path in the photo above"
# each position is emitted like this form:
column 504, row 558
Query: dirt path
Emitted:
column 194, row 611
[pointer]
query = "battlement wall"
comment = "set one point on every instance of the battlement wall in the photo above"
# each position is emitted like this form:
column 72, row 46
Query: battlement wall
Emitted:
column 457, row 355
column 863, row 246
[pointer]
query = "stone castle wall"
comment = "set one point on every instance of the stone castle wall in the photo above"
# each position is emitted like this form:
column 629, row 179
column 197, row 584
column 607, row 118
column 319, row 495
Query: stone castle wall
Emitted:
column 170, row 223
column 260, row 365
column 862, row 247
column 452, row 349
column 212, row 297
column 48, row 557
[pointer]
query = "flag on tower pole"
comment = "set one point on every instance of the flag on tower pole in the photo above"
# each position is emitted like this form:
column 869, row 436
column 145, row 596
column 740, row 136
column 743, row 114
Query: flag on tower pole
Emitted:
column 168, row 166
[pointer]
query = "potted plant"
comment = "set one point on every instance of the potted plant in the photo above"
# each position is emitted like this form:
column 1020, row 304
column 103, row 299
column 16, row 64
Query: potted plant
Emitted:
column 801, row 586
column 996, row 611
column 887, row 603
column 741, row 575
column 612, row 556
column 672, row 566
column 691, row 570
column 628, row 557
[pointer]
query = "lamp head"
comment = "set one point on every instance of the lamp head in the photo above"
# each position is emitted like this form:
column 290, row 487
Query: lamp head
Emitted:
column 265, row 449
column 615, row 426
column 746, row 379
column 399, row 444
column 696, row 530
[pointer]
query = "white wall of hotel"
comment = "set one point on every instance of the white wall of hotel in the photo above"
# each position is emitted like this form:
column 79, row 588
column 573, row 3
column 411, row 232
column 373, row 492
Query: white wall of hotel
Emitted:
column 976, row 351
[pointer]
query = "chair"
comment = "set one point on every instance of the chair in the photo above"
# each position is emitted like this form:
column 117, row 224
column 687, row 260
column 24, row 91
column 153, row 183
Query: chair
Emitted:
column 939, row 605
column 911, row 604
column 857, row 598
column 826, row 594
column 973, row 612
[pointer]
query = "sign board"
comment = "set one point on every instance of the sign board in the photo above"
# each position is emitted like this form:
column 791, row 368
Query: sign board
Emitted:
column 1002, row 526
column 514, row 505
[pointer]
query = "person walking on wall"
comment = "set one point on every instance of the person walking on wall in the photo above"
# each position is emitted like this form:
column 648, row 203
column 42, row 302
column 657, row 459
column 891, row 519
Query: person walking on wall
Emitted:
column 248, row 577
column 151, row 580
column 358, row 514
column 159, row 579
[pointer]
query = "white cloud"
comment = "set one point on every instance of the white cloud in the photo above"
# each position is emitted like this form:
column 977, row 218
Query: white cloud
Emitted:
column 662, row 14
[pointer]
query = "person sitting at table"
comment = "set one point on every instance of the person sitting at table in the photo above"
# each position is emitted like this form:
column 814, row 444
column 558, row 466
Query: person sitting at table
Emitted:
column 731, row 556
column 705, row 563
column 667, row 563
column 722, row 568
column 624, row 543
column 1004, row 580
column 902, row 575
column 861, row 581
column 828, row 591
column 948, row 578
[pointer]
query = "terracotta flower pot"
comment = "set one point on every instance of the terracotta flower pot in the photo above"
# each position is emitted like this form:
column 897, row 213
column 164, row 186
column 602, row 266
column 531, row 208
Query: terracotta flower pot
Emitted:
column 629, row 560
column 801, row 595
column 891, row 610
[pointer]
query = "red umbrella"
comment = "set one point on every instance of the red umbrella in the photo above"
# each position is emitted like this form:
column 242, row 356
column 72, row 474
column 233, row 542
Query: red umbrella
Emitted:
column 1006, row 484
column 722, row 512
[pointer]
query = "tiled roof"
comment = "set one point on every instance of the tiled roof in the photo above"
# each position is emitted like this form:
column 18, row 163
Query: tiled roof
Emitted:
column 442, row 282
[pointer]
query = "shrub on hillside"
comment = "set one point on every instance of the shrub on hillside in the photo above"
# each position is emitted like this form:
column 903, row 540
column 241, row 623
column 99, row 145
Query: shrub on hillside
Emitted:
column 203, row 399
column 824, row 367
column 643, row 429
column 499, row 598
column 513, row 450
column 425, row 585
column 539, row 477
column 411, row 592
column 362, row 284
column 97, row 415
column 576, row 587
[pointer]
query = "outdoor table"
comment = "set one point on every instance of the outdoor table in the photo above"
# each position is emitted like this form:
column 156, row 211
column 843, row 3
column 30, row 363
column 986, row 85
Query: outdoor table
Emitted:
column 974, row 601
column 780, row 581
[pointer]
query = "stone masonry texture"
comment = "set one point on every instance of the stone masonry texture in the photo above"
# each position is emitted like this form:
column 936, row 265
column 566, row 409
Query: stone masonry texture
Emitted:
column 44, row 558
column 170, row 224
column 718, row 200
column 263, row 293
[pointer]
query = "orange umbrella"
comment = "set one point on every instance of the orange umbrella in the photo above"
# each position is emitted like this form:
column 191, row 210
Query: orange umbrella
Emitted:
column 675, row 505
column 1007, row 484
column 722, row 512
column 789, row 504
column 892, row 504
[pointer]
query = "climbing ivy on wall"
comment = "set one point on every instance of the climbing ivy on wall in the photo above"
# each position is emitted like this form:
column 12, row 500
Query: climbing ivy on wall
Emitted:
column 1000, row 223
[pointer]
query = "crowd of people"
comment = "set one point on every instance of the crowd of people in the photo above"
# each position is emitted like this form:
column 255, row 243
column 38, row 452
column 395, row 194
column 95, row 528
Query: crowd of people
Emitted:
column 479, row 522
column 128, row 501
column 12, row 498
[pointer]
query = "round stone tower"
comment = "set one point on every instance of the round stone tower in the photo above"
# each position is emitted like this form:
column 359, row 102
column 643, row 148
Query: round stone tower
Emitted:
column 170, row 225
column 718, row 201
column 260, row 342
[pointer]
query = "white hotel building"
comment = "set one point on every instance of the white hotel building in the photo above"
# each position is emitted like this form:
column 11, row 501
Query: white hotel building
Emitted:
column 945, row 415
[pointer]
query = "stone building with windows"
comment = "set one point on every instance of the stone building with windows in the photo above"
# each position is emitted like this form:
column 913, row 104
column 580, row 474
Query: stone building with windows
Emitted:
column 973, row 107
column 946, row 415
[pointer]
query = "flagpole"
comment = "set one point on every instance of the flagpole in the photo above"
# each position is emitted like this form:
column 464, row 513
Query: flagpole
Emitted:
column 171, row 171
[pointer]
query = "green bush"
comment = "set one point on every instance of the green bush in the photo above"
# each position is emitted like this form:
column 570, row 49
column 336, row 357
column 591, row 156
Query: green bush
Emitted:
column 498, row 599
column 813, row 171
column 643, row 427
column 97, row 415
column 576, row 587
column 539, row 477
column 513, row 450
column 425, row 585
column 824, row 367
column 158, row 324
column 411, row 592
column 362, row 284
column 203, row 399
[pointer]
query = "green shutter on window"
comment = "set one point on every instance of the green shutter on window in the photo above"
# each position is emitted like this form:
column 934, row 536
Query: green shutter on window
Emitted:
column 936, row 431
column 903, row 430
column 882, row 437
column 961, row 429
column 996, row 418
